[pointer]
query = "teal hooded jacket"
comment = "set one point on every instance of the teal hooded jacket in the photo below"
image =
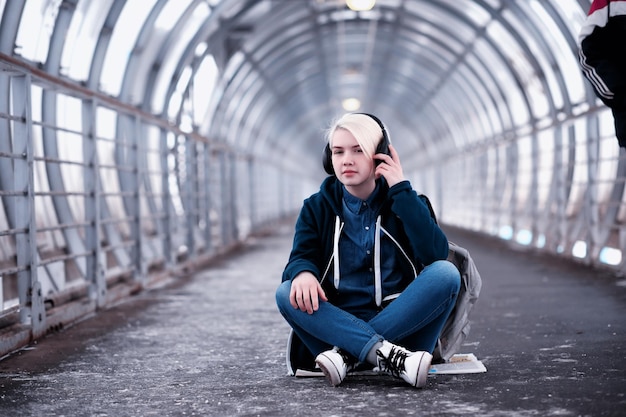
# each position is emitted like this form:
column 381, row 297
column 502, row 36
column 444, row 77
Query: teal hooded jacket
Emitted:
column 405, row 218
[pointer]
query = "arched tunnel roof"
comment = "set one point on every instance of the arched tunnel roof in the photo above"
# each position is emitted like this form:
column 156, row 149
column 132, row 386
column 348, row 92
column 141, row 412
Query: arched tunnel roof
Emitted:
column 267, row 76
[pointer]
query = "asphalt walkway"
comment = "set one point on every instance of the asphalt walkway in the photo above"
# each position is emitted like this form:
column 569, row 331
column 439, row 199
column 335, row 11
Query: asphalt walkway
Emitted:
column 551, row 334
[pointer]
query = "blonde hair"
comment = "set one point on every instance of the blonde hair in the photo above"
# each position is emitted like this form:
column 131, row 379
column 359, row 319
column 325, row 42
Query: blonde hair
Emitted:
column 364, row 128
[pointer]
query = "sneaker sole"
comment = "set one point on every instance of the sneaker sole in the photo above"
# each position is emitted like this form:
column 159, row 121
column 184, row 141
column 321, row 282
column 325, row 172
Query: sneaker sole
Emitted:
column 325, row 367
column 423, row 369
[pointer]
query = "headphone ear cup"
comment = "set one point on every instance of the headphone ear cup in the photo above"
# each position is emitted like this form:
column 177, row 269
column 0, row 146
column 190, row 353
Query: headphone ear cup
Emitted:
column 327, row 160
column 383, row 147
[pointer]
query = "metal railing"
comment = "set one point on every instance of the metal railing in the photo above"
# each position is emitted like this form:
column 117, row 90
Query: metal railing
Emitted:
column 100, row 200
column 559, row 190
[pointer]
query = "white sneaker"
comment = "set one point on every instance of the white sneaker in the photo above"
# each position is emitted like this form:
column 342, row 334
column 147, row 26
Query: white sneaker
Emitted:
column 412, row 367
column 333, row 364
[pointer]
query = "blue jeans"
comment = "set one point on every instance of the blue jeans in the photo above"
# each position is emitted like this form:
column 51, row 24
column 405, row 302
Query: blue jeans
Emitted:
column 414, row 320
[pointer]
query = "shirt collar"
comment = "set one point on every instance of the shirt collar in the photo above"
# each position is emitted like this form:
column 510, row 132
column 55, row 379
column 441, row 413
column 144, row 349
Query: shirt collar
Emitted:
column 355, row 204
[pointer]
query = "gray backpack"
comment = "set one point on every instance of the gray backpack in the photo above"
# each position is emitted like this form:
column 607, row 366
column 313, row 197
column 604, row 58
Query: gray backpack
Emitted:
column 457, row 326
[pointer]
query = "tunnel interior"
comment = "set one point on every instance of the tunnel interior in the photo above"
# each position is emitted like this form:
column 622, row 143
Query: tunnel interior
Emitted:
column 142, row 138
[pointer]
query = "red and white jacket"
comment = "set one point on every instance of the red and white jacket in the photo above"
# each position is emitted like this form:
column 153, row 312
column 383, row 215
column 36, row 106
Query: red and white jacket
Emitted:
column 602, row 54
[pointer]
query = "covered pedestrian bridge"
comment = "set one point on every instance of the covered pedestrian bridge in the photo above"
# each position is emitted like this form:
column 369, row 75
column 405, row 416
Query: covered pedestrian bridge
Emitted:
column 141, row 140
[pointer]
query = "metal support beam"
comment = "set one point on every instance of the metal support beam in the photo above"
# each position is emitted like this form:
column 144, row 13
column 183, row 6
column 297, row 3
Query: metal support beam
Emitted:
column 95, row 266
column 136, row 180
column 166, row 200
column 32, row 309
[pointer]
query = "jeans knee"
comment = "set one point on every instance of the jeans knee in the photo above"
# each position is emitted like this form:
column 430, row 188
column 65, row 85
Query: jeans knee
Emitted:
column 282, row 295
column 448, row 275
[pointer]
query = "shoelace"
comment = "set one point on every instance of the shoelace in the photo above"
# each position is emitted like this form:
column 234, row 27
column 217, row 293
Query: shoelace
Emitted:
column 394, row 363
column 350, row 364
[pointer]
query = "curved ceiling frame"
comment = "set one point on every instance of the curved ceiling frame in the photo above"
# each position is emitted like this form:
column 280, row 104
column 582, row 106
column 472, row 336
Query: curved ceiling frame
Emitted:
column 459, row 130
column 238, row 115
column 458, row 49
column 535, row 65
column 291, row 96
column 248, row 72
column 49, row 103
column 295, row 86
column 561, row 84
column 125, row 126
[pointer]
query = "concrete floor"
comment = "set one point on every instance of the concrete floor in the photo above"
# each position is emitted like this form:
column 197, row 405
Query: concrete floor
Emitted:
column 551, row 334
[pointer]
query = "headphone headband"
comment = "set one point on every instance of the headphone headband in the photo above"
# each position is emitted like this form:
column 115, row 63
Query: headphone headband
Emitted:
column 380, row 123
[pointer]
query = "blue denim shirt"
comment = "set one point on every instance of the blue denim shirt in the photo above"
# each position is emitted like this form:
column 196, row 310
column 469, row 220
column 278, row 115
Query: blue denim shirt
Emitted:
column 356, row 254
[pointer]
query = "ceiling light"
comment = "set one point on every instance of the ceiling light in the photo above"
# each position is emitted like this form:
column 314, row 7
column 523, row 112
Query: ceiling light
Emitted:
column 351, row 104
column 360, row 5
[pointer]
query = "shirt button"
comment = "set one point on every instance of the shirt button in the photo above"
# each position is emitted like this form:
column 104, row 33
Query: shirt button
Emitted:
column 368, row 252
column 367, row 228
column 370, row 269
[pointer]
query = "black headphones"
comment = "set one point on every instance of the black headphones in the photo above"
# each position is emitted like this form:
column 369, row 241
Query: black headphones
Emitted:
column 383, row 147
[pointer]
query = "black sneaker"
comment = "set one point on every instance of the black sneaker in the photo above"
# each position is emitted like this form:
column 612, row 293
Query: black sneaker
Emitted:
column 412, row 367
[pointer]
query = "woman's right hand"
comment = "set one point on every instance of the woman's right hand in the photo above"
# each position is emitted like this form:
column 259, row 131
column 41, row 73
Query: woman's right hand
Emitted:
column 306, row 292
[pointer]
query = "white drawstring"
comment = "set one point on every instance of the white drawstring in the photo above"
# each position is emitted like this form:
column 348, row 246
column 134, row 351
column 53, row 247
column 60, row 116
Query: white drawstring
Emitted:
column 338, row 227
column 401, row 250
column 377, row 272
column 377, row 276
